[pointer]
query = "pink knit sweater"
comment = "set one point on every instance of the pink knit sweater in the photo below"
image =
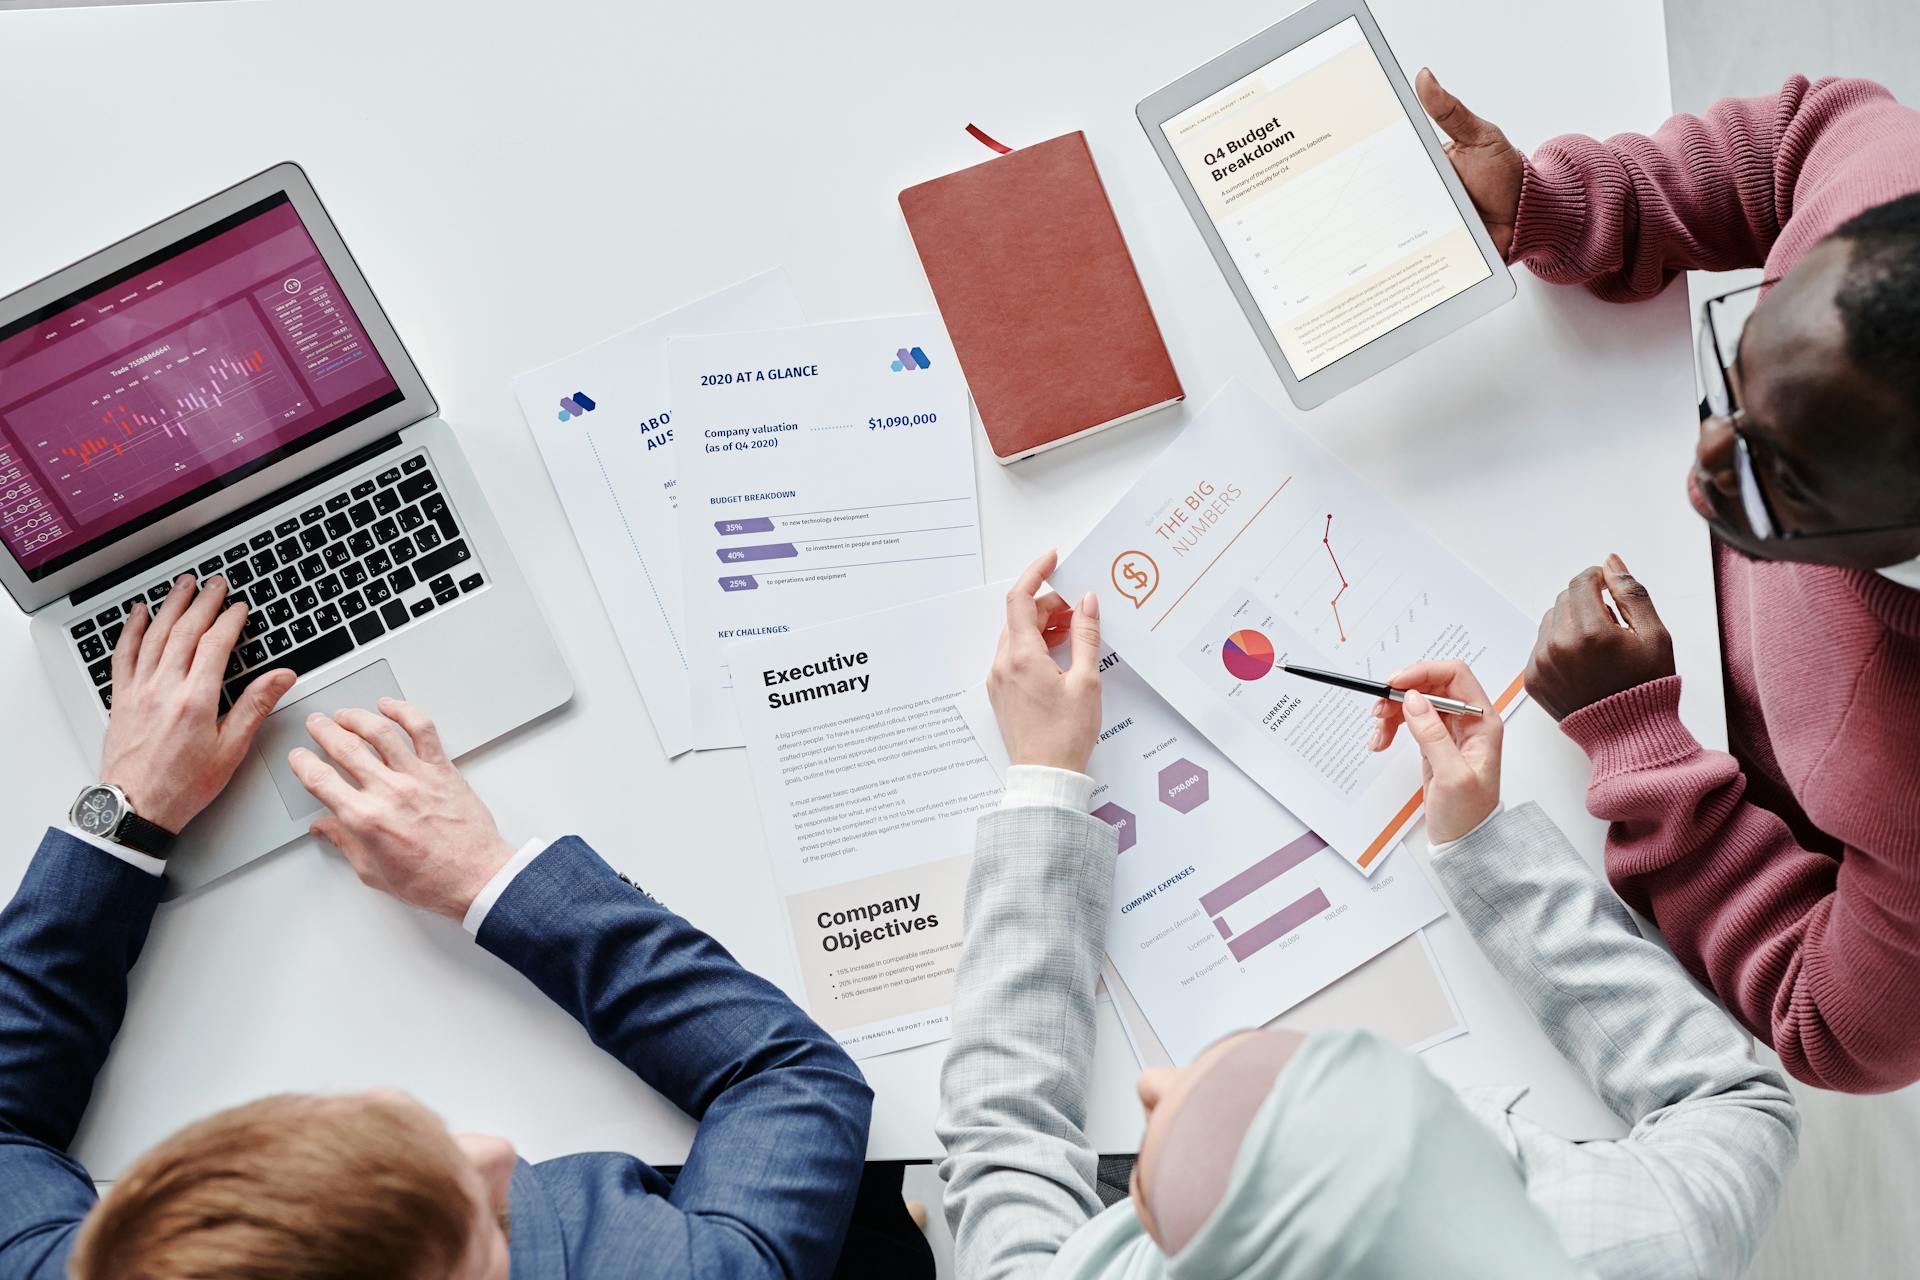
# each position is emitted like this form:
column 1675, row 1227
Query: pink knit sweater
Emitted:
column 1787, row 874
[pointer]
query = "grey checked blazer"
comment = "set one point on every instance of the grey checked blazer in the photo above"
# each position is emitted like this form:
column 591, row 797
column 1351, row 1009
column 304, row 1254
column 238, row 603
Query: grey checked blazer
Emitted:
column 1688, row 1193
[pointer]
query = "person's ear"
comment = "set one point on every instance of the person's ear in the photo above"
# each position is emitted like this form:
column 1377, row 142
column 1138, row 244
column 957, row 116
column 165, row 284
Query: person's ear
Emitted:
column 493, row 1158
column 1153, row 1084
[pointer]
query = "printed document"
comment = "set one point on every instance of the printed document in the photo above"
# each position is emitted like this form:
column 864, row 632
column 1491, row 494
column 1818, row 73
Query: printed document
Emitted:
column 825, row 472
column 602, row 422
column 870, row 784
column 1247, row 547
column 1226, row 909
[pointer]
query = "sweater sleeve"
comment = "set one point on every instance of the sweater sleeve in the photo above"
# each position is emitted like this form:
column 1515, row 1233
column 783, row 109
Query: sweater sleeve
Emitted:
column 1709, row 192
column 1804, row 947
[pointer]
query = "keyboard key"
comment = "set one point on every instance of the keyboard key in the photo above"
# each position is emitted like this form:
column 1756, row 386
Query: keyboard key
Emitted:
column 401, row 580
column 360, row 543
column 422, row 607
column 264, row 538
column 158, row 592
column 378, row 591
column 266, row 561
column 386, row 502
column 364, row 488
column 338, row 502
column 327, row 617
column 311, row 515
column 310, row 540
column 411, row 519
column 107, row 614
column 304, row 600
column 428, row 538
column 257, row 624
column 312, row 567
column 414, row 488
column 393, row 613
column 126, row 606
column 81, row 628
column 239, row 575
column 253, row 653
column 413, row 464
column 352, row 605
column 280, row 612
column 442, row 583
column 287, row 528
column 441, row 559
column 336, row 555
column 361, row 514
column 92, row 649
column 402, row 551
column 338, row 526
column 234, row 665
column 287, row 579
column 303, row 629
column 278, row 642
column 354, row 574
column 106, row 698
column 111, row 635
column 261, row 592
column 236, row 553
column 306, row 657
column 388, row 476
column 209, row 566
column 436, row 510
column 101, row 671
column 470, row 582
column 329, row 587
column 378, row 563
column 368, row 629
column 448, row 596
column 386, row 531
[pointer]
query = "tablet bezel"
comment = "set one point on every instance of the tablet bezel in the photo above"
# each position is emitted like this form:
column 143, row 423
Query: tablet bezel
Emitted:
column 1396, row 344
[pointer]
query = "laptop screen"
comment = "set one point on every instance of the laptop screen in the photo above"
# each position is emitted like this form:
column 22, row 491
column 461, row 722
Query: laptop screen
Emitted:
column 138, row 395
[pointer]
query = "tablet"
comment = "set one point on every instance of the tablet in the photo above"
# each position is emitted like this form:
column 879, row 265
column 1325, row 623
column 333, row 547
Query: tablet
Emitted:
column 1316, row 180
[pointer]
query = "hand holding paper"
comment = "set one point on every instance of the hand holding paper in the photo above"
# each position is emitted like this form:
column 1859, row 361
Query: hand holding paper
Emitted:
column 1047, row 716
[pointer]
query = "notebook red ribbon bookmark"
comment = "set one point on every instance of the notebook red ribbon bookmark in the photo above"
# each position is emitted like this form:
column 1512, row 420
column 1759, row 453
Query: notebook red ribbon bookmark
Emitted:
column 984, row 140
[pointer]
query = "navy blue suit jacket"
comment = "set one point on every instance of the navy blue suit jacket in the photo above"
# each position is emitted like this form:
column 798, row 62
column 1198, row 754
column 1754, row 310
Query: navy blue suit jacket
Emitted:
column 766, row 1191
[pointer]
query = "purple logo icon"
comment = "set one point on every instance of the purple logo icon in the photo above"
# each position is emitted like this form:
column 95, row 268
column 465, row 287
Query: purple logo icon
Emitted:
column 907, row 359
column 576, row 405
column 1183, row 786
column 1120, row 820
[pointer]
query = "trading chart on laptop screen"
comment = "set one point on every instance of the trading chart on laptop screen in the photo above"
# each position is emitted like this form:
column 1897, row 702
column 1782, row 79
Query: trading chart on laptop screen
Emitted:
column 189, row 369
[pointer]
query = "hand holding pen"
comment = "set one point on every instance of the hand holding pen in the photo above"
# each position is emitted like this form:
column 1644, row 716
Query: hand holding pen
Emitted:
column 1459, row 754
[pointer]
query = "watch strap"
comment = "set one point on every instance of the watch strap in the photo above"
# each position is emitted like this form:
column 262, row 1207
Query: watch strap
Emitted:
column 142, row 836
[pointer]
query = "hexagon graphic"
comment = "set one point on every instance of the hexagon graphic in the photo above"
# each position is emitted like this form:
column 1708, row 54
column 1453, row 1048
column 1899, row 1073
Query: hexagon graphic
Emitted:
column 1183, row 785
column 1120, row 820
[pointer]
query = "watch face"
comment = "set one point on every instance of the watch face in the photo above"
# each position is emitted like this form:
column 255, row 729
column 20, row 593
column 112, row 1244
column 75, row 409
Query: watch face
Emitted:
column 97, row 811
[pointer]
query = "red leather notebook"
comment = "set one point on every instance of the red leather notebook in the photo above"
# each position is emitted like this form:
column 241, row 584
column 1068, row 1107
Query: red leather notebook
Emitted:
column 1040, row 296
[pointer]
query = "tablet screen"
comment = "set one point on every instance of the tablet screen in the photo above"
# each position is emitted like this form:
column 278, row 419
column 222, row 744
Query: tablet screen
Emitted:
column 1325, row 197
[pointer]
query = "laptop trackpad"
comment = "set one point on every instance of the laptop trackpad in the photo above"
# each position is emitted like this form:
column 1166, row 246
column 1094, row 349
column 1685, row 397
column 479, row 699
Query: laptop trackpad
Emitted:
column 286, row 728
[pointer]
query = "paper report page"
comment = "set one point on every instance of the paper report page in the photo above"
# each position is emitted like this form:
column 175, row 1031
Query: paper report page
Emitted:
column 1248, row 547
column 825, row 471
column 1326, row 198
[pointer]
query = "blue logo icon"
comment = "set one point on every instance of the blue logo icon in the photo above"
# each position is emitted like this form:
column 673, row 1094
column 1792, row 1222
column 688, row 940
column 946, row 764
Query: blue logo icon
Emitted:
column 907, row 359
column 575, row 405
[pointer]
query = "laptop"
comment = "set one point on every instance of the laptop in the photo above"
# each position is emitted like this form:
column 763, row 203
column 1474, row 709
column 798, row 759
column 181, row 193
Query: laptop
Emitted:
column 222, row 394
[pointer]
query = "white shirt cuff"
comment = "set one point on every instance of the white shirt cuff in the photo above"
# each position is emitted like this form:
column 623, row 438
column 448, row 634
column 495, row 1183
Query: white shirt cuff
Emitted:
column 132, row 857
column 1441, row 850
column 1032, row 786
column 490, row 894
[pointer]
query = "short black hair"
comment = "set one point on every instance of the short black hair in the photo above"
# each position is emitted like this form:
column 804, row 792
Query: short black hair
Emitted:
column 1879, row 300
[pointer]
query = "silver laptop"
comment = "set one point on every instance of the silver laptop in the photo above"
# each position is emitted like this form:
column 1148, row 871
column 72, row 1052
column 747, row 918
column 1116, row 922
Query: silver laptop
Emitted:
column 221, row 393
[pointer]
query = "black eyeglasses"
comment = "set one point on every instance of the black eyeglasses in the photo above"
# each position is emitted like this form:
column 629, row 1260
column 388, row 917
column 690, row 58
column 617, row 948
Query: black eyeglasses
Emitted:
column 1720, row 332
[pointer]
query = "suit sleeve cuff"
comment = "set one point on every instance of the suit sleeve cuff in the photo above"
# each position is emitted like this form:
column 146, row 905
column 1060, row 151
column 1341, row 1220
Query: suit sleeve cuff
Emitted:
column 1444, row 847
column 1038, row 786
column 490, row 894
column 132, row 857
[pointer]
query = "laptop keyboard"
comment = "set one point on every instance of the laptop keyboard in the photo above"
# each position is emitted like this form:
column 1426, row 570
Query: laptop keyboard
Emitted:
column 342, row 571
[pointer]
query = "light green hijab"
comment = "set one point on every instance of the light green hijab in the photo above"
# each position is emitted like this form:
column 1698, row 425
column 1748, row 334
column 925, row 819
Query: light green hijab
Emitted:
column 1359, row 1165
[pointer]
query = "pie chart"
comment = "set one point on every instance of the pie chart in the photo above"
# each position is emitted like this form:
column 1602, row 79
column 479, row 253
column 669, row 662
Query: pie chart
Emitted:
column 1248, row 655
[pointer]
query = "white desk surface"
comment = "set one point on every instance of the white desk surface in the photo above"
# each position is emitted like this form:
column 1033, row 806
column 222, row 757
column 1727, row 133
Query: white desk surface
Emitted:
column 521, row 180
